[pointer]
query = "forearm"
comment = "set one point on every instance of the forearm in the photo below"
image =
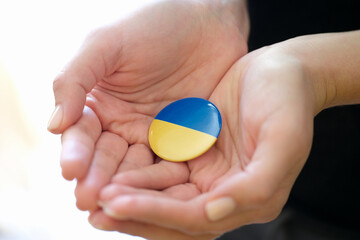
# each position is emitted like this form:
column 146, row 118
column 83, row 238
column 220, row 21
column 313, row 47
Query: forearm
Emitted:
column 332, row 63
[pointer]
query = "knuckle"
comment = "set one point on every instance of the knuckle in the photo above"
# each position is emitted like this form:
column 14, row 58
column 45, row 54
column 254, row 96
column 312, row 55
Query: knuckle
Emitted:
column 121, row 179
column 107, row 153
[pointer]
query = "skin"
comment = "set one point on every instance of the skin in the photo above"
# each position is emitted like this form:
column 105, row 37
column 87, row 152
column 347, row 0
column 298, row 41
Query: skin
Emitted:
column 267, row 100
column 260, row 131
column 119, row 74
column 241, row 163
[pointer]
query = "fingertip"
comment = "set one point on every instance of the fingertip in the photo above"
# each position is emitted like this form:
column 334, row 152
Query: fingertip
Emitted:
column 88, row 191
column 55, row 120
column 86, row 196
column 113, row 208
column 101, row 204
column 86, row 206
column 124, row 178
column 73, row 168
column 99, row 221
column 74, row 160
column 70, row 97
column 108, row 192
column 70, row 168
column 67, row 175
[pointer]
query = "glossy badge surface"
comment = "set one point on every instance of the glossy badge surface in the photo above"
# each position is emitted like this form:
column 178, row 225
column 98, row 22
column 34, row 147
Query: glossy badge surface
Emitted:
column 185, row 129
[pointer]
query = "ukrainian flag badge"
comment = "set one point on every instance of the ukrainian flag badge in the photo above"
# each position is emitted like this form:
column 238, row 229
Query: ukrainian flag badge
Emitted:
column 185, row 129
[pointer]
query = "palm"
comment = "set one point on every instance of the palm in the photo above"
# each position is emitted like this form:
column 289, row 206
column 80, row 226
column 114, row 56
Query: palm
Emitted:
column 158, row 63
column 181, row 58
column 252, row 114
column 261, row 149
column 245, row 123
column 131, row 120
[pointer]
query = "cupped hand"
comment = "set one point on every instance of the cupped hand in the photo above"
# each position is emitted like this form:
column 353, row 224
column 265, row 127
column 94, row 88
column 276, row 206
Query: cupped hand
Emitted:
column 125, row 73
column 267, row 104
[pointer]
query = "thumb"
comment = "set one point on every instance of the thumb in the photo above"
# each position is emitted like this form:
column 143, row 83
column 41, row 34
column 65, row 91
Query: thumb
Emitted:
column 76, row 80
column 281, row 151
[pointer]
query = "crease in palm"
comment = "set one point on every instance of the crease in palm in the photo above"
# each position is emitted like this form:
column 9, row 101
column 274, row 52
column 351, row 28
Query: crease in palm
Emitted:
column 151, row 73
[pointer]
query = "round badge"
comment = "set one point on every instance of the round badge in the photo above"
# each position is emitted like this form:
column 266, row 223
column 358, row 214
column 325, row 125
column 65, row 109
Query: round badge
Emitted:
column 185, row 129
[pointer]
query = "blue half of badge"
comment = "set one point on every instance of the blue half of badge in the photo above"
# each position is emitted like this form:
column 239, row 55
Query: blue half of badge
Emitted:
column 185, row 129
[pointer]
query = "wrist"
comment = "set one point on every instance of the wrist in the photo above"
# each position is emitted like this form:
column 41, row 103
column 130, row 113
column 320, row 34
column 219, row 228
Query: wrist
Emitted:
column 330, row 62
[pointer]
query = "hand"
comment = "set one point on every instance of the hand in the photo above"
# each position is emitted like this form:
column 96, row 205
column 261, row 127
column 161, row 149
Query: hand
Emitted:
column 126, row 72
column 267, row 103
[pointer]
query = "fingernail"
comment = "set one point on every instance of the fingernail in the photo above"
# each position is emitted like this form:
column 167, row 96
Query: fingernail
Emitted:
column 96, row 224
column 99, row 226
column 56, row 118
column 101, row 204
column 114, row 215
column 220, row 208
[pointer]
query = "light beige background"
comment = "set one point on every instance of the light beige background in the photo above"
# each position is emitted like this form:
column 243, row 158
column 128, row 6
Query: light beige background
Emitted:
column 36, row 39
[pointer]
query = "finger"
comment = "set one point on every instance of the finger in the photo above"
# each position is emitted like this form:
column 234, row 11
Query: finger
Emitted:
column 137, row 156
column 149, row 231
column 109, row 151
column 187, row 216
column 182, row 192
column 78, row 143
column 279, row 155
column 156, row 176
column 78, row 78
column 112, row 191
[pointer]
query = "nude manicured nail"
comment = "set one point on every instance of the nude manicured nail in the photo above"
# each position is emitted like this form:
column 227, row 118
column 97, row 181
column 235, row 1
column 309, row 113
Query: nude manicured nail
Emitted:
column 114, row 215
column 220, row 208
column 98, row 225
column 101, row 204
column 56, row 118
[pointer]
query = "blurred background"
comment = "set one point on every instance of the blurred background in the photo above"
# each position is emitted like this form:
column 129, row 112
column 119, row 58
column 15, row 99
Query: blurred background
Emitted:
column 36, row 39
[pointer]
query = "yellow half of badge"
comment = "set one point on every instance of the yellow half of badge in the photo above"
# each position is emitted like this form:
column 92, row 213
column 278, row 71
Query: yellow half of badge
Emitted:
column 177, row 143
